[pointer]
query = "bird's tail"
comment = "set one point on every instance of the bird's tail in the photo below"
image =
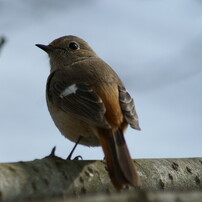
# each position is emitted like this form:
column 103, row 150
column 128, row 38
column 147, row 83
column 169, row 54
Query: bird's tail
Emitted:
column 120, row 165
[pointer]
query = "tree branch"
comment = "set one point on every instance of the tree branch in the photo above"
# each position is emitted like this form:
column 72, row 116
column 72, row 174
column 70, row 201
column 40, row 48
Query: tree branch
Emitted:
column 54, row 177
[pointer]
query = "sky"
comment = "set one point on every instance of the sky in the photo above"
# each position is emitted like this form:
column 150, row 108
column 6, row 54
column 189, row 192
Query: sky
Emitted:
column 154, row 46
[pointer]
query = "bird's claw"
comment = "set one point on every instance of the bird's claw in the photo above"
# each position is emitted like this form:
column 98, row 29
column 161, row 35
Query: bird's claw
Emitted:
column 53, row 151
column 78, row 158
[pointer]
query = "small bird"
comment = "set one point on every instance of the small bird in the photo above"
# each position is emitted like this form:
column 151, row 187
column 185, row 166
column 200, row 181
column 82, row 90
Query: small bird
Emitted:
column 90, row 105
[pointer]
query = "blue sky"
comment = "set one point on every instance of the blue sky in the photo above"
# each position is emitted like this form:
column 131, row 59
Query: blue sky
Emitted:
column 154, row 46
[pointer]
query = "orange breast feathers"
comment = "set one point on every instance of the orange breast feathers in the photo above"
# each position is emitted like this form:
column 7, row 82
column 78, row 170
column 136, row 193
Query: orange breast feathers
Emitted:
column 110, row 96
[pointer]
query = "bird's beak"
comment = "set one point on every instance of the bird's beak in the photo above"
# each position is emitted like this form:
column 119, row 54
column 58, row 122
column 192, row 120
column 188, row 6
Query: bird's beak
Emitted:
column 46, row 48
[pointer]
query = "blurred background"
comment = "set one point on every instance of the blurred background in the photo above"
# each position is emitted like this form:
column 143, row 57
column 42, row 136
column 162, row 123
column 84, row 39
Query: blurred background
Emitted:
column 154, row 46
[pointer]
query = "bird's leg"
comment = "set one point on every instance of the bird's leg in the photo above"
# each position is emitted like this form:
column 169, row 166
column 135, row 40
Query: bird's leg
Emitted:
column 70, row 155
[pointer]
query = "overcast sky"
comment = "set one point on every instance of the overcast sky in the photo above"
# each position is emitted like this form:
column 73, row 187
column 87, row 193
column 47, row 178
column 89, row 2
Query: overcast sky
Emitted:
column 154, row 46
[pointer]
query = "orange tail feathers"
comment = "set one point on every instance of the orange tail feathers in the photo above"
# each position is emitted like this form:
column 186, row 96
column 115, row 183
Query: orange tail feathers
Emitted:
column 120, row 165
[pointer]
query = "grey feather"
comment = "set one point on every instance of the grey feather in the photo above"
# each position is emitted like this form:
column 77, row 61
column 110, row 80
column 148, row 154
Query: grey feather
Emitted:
column 128, row 108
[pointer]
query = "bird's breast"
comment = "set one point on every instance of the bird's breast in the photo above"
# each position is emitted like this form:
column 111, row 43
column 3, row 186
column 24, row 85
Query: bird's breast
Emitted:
column 72, row 127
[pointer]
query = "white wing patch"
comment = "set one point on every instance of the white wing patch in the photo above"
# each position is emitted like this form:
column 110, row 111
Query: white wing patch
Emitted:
column 69, row 90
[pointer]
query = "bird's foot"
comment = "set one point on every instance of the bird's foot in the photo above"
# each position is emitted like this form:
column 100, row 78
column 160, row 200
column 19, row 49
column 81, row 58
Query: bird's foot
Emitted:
column 79, row 157
column 70, row 155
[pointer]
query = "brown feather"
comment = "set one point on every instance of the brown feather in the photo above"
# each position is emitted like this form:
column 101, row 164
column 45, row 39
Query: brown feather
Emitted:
column 121, row 169
column 120, row 166
column 109, row 95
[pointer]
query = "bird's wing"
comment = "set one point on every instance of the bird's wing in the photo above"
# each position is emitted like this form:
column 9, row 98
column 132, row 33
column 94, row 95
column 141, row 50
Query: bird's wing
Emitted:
column 76, row 98
column 128, row 108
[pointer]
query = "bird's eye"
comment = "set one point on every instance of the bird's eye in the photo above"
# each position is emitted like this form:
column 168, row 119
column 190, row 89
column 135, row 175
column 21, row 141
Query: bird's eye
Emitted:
column 73, row 46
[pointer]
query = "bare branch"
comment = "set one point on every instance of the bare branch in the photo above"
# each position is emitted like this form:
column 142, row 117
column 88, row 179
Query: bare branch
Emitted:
column 55, row 177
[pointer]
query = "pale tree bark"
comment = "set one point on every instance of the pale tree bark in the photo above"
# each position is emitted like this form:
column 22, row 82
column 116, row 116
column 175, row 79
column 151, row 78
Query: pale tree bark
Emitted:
column 52, row 177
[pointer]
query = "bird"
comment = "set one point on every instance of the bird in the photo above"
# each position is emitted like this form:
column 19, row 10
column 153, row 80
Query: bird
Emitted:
column 90, row 105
